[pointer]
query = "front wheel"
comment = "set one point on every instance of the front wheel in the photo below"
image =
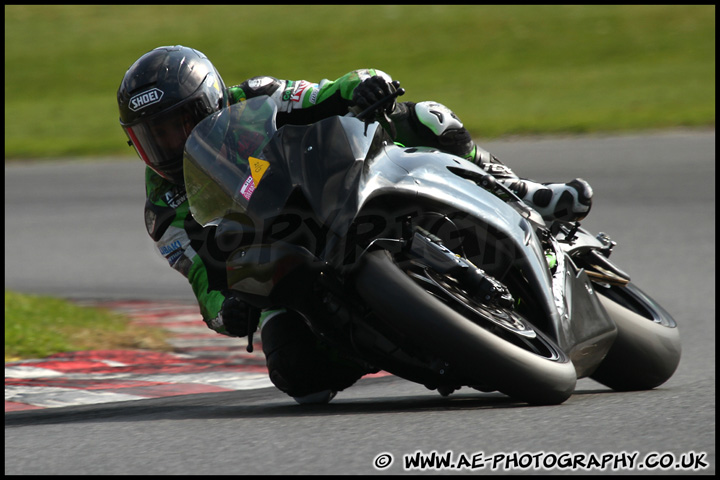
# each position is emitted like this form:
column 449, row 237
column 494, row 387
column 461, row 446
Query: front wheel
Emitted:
column 490, row 345
column 647, row 349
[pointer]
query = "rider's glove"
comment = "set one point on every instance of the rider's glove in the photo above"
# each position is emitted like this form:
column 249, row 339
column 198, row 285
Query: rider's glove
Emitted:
column 373, row 90
column 234, row 318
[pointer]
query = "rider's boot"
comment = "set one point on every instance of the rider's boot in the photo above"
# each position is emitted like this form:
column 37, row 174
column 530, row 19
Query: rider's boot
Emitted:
column 300, row 365
column 570, row 201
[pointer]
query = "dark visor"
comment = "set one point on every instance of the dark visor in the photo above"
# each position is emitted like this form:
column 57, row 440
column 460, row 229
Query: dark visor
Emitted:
column 160, row 140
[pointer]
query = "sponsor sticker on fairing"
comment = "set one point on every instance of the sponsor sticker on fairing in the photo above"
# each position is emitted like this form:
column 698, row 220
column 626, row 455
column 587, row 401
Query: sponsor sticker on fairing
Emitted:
column 258, row 167
column 248, row 188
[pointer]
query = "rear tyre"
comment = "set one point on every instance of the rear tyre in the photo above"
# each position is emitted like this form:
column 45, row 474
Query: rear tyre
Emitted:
column 490, row 345
column 647, row 350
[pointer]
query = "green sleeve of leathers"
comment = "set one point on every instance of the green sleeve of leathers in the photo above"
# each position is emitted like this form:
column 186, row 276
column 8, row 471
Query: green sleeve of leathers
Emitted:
column 334, row 95
column 177, row 236
column 302, row 102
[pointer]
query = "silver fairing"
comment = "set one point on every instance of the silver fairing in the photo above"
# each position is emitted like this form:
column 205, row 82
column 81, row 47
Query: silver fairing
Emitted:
column 426, row 174
column 576, row 319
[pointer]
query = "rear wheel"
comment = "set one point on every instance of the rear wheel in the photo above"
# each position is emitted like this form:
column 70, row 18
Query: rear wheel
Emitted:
column 491, row 345
column 647, row 350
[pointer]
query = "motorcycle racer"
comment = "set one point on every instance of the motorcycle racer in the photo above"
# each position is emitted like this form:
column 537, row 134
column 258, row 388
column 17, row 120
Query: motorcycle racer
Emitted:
column 169, row 90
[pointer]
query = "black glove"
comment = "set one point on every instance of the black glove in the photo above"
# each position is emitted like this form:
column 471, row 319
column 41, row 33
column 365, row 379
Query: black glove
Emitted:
column 373, row 90
column 237, row 316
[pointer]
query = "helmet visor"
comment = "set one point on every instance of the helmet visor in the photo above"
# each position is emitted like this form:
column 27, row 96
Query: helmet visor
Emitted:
column 160, row 139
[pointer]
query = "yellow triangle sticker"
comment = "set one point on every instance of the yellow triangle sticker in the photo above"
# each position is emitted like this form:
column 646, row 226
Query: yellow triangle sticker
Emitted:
column 257, row 169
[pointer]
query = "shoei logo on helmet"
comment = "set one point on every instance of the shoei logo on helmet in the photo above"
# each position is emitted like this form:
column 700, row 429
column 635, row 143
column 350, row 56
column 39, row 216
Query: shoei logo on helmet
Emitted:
column 142, row 100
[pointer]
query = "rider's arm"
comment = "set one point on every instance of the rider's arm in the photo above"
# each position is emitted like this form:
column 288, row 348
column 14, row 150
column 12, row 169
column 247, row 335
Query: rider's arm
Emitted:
column 185, row 244
column 302, row 101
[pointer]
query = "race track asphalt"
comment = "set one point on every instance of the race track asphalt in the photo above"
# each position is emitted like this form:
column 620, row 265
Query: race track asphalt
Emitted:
column 76, row 230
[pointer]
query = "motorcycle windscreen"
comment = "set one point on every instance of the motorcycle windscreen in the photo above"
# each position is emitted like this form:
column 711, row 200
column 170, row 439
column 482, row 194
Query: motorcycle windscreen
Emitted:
column 325, row 160
column 223, row 161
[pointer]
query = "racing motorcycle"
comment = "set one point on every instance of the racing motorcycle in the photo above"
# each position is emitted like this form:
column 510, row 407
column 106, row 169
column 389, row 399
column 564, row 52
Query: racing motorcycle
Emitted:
column 418, row 262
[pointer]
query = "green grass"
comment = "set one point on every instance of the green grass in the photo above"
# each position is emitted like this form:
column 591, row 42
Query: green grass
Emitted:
column 505, row 69
column 38, row 326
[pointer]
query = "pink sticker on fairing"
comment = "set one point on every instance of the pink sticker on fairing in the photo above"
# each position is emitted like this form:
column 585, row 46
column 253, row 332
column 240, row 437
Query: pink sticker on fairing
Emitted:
column 248, row 188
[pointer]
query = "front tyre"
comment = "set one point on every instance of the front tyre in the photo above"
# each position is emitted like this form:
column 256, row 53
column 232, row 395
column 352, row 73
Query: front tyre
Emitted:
column 647, row 350
column 493, row 346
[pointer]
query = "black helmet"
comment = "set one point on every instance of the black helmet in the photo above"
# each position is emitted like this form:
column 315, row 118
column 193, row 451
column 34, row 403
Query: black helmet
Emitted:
column 163, row 95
